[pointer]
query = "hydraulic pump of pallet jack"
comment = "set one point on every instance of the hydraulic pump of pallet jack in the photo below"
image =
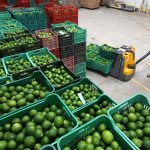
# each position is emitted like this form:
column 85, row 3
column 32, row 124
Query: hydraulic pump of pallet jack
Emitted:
column 124, row 63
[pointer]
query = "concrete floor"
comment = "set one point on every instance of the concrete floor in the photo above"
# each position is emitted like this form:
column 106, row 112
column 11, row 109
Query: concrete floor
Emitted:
column 117, row 28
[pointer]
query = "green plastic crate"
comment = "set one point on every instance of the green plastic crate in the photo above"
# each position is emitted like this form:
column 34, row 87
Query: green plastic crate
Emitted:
column 81, row 74
column 92, row 48
column 38, row 76
column 5, row 16
column 80, row 67
column 41, row 51
column 125, row 105
column 1, row 35
column 104, row 52
column 48, row 147
column 80, row 35
column 5, row 80
column 104, row 68
column 73, row 137
column 14, row 57
column 86, row 108
column 49, row 100
column 90, row 59
column 54, row 26
column 82, row 81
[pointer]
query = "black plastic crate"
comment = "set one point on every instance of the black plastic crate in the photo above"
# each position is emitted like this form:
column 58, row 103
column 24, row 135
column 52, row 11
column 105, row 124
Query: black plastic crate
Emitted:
column 67, row 51
column 11, row 50
column 64, row 39
column 57, row 65
column 24, row 74
column 80, row 57
column 79, row 48
column 28, row 46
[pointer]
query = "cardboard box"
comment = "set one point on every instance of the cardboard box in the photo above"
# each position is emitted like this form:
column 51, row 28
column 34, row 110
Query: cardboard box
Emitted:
column 90, row 4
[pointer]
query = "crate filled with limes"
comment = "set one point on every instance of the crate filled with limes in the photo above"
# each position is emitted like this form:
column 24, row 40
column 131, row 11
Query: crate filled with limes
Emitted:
column 98, row 134
column 132, row 119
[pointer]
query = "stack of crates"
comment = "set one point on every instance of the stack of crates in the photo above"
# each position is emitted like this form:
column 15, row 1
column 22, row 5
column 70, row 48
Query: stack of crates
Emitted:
column 51, row 42
column 66, row 46
column 79, row 35
column 33, row 18
column 60, row 14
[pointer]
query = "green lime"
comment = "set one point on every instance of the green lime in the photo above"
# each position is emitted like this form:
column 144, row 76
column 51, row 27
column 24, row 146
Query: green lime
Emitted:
column 81, row 145
column 29, row 142
column 102, row 127
column 114, row 145
column 137, row 142
column 138, row 107
column 3, row 145
column 16, row 128
column 107, row 136
column 117, row 118
column 132, row 117
column 89, row 147
column 58, row 121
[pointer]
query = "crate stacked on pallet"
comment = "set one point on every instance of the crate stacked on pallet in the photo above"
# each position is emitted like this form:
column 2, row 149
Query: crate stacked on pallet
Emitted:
column 66, row 46
column 47, row 3
column 60, row 14
column 49, row 39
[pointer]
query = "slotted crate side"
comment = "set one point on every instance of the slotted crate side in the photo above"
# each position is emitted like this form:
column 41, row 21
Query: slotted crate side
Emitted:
column 39, row 77
column 48, row 101
column 80, row 57
column 56, row 52
column 2, row 70
column 73, row 137
column 125, row 105
column 67, row 51
column 69, row 62
column 39, row 52
column 80, row 67
column 79, row 48
column 81, row 74
column 14, row 57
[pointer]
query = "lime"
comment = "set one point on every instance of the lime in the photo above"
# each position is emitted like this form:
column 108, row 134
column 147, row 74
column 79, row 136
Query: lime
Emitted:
column 20, row 138
column 16, row 128
column 61, row 131
column 148, row 119
column 51, row 115
column 145, row 112
column 39, row 118
column 89, row 147
column 146, row 131
column 139, row 124
column 81, row 145
column 138, row 107
column 139, row 133
column 37, row 146
column 3, row 145
column 146, row 144
column 96, row 141
column 137, row 142
column 46, row 125
column 108, row 148
column 107, row 136
column 32, row 113
column 96, row 133
column 131, row 110
column 29, row 141
column 58, row 121
column 11, row 145
column 45, row 140
column 88, row 139
column 114, row 145
column 132, row 117
column 132, row 126
column 52, row 133
column 99, row 148
column 102, row 127
column 38, row 134
column 132, row 134
column 25, row 119
column 66, row 148
column 30, row 130
column 117, row 118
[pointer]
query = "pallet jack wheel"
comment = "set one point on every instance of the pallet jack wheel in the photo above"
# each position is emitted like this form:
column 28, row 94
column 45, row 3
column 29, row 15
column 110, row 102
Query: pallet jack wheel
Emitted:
column 148, row 75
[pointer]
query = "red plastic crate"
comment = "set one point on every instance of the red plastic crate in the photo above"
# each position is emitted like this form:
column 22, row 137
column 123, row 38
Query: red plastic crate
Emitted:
column 65, row 12
column 69, row 62
column 73, row 12
column 74, row 20
column 55, row 52
column 51, row 43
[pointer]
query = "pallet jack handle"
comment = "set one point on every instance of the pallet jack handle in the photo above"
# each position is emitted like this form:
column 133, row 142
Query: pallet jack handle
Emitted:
column 143, row 57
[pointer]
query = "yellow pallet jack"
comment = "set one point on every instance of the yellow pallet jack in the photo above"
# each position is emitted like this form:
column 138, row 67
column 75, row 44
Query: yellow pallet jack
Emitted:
column 124, row 63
